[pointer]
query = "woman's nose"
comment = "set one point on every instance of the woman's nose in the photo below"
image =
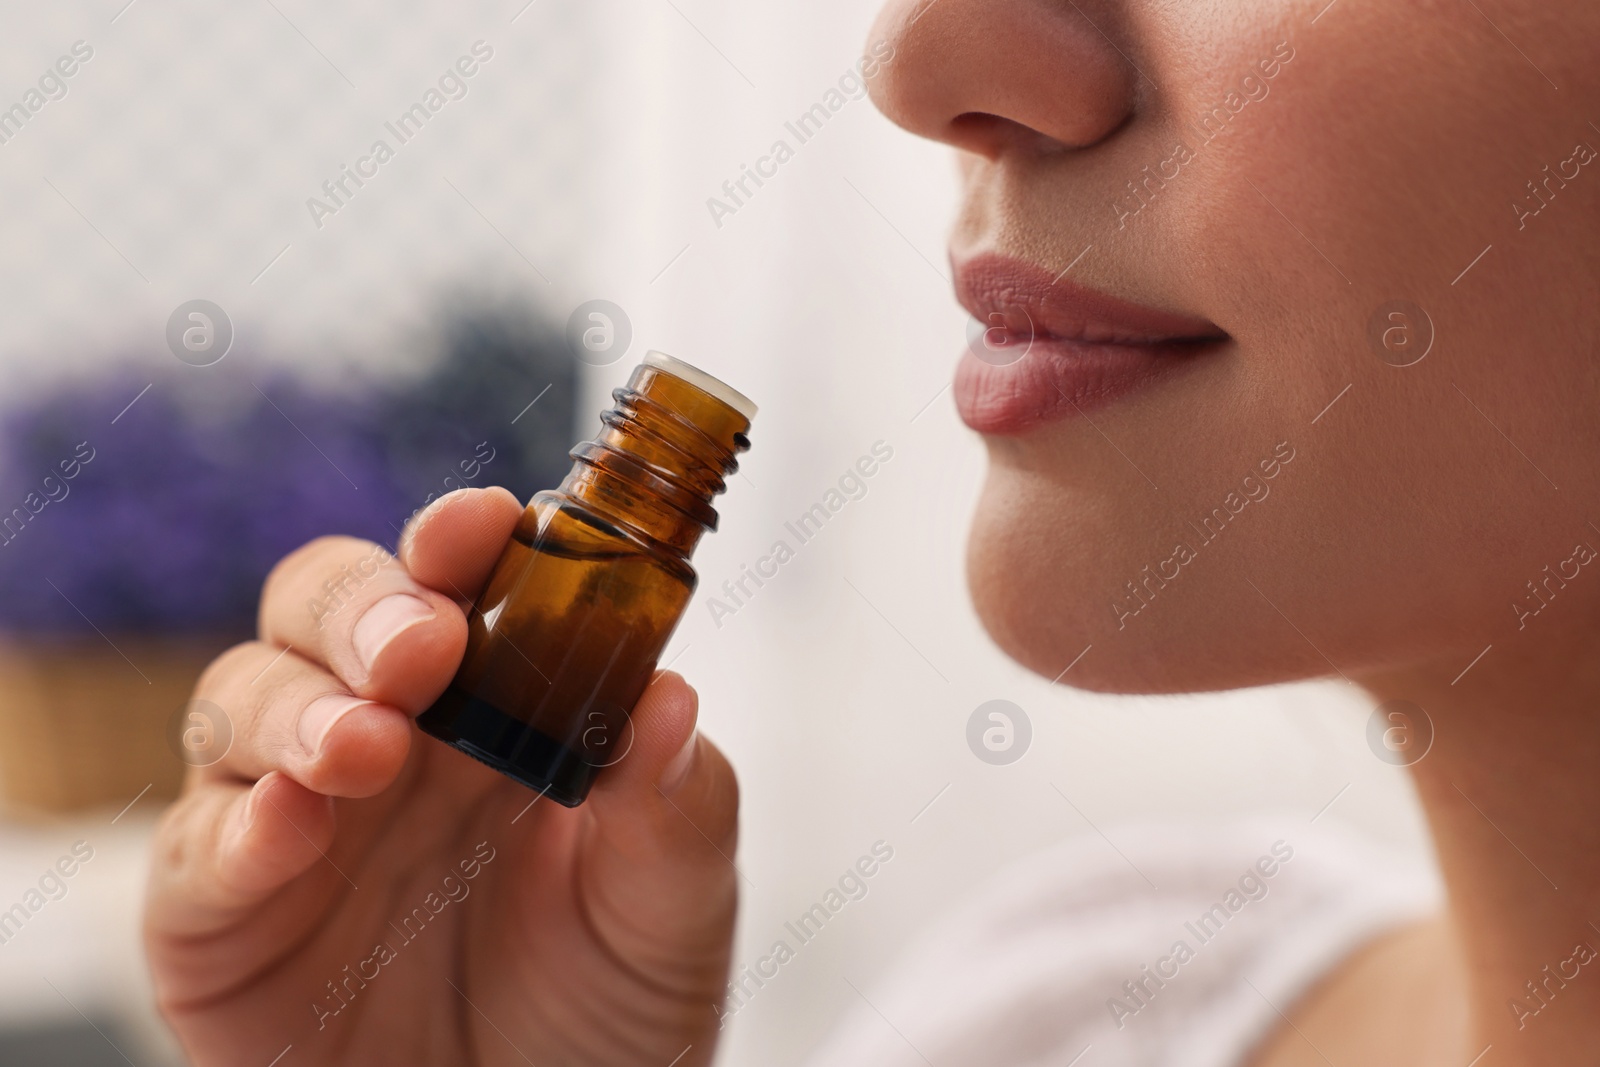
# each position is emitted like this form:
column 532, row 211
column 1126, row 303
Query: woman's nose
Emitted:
column 992, row 76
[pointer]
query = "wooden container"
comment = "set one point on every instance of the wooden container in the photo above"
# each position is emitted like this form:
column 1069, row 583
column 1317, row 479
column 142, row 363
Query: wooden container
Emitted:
column 85, row 722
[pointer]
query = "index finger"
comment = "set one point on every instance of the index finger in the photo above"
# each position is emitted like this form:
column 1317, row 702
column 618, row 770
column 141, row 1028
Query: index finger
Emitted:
column 392, row 630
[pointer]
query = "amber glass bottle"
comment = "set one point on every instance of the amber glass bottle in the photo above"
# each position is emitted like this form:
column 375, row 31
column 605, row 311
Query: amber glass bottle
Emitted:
column 567, row 633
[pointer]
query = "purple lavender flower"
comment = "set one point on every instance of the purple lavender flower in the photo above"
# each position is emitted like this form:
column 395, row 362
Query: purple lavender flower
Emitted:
column 176, row 511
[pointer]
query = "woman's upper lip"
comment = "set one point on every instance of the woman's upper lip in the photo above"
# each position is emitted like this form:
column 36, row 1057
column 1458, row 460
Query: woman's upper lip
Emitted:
column 1002, row 291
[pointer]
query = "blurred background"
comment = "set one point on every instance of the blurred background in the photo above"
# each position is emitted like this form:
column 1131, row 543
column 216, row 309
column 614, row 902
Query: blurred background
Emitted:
column 378, row 347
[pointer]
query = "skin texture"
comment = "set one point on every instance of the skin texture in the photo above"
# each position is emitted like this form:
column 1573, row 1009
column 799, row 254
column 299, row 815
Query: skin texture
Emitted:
column 1395, row 140
column 590, row 936
column 1377, row 163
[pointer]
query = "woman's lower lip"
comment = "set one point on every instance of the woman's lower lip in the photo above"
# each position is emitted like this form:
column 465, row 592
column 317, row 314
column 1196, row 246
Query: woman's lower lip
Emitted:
column 1057, row 379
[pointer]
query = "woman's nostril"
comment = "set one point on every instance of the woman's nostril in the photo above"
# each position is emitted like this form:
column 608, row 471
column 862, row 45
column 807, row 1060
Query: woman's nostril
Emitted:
column 974, row 122
column 978, row 131
column 994, row 135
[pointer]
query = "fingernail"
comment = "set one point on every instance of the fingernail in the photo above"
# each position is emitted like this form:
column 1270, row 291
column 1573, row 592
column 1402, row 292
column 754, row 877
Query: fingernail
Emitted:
column 676, row 772
column 385, row 621
column 243, row 818
column 321, row 714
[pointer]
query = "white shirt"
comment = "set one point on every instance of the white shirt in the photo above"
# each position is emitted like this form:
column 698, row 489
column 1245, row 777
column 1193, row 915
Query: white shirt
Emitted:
column 1166, row 945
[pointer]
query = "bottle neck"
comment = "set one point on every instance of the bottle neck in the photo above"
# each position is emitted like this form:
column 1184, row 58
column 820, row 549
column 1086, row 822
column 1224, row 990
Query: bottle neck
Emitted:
column 663, row 453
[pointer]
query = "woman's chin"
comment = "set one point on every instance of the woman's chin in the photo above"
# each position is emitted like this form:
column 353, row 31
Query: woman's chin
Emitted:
column 1030, row 590
column 1041, row 581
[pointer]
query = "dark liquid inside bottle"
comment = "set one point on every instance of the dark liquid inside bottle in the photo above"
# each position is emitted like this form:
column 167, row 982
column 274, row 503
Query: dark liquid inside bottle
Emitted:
column 568, row 631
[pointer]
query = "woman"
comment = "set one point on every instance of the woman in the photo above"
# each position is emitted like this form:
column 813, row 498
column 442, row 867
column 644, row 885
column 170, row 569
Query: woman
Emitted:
column 1342, row 253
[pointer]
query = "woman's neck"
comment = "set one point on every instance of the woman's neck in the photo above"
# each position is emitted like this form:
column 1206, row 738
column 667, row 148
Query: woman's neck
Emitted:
column 1511, row 786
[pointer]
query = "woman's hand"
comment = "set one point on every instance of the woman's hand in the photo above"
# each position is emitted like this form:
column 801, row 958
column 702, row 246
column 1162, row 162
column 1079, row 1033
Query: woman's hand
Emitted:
column 340, row 883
